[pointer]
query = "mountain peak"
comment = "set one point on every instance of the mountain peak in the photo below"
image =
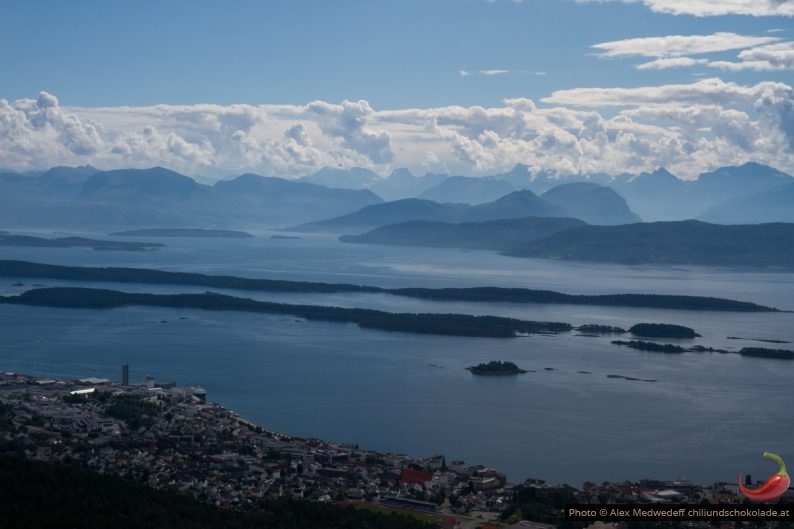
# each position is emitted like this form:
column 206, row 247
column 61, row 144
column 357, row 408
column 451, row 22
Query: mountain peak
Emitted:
column 591, row 202
column 753, row 170
column 662, row 171
column 156, row 181
column 401, row 173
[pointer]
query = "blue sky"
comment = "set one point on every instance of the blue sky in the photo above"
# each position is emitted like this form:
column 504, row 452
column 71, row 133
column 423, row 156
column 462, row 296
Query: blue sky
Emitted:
column 391, row 53
column 411, row 63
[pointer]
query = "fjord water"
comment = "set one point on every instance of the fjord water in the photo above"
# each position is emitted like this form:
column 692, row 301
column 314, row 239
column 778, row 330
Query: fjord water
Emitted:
column 707, row 416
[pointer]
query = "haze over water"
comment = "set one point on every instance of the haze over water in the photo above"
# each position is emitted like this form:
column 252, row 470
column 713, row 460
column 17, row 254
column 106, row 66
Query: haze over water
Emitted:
column 708, row 416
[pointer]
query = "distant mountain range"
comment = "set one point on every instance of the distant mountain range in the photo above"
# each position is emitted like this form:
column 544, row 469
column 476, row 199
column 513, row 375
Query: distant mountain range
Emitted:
column 773, row 205
column 591, row 202
column 87, row 198
column 658, row 195
column 662, row 196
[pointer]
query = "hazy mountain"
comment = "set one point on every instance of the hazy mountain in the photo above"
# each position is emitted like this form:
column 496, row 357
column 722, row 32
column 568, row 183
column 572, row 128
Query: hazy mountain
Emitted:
column 514, row 205
column 659, row 195
column 584, row 200
column 401, row 183
column 85, row 198
column 662, row 196
column 64, row 182
column 58, row 182
column 142, row 184
column 499, row 234
column 520, row 177
column 353, row 178
column 388, row 213
column 773, row 205
column 158, row 197
column 593, row 203
column 681, row 242
column 731, row 182
column 260, row 198
column 467, row 190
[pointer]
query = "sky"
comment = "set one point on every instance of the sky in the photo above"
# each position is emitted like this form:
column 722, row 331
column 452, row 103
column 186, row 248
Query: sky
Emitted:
column 473, row 87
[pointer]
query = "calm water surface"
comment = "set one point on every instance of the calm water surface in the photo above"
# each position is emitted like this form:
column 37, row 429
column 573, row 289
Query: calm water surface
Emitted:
column 707, row 416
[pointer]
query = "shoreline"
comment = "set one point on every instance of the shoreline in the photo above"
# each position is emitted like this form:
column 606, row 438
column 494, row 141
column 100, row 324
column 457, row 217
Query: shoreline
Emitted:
column 60, row 387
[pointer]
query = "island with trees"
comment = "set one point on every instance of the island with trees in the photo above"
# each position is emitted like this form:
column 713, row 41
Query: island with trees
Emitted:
column 662, row 330
column 423, row 323
column 496, row 368
column 592, row 328
column 756, row 352
column 651, row 346
column 763, row 352
column 20, row 269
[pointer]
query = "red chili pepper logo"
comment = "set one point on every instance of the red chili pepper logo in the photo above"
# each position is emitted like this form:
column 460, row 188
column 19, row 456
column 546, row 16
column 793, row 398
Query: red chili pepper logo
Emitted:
column 773, row 488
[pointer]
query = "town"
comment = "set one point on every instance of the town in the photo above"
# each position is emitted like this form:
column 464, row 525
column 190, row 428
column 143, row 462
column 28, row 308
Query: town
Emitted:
column 169, row 437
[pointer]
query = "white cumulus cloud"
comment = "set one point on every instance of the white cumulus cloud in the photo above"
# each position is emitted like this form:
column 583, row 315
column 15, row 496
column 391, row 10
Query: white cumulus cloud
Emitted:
column 688, row 128
column 763, row 58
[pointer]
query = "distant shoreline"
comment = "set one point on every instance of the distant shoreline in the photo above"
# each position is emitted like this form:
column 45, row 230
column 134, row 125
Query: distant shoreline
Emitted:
column 183, row 232
column 28, row 241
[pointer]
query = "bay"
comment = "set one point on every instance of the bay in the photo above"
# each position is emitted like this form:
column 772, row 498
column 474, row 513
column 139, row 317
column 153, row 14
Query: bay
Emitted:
column 708, row 416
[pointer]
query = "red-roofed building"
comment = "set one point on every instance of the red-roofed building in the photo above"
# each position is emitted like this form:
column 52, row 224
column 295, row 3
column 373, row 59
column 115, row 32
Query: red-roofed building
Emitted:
column 415, row 477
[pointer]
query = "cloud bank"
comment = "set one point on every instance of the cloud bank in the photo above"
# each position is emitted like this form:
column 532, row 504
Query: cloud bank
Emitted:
column 689, row 128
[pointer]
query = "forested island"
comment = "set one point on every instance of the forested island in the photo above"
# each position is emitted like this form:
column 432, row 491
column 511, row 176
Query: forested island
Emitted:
column 763, row 352
column 183, row 232
column 75, row 242
column 496, row 368
column 600, row 329
column 27, row 269
column 424, row 323
column 651, row 346
column 756, row 352
column 662, row 330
